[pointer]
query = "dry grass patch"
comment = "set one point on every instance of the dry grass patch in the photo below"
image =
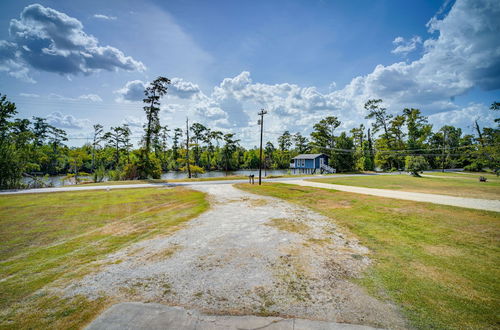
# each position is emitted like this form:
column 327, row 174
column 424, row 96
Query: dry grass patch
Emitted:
column 292, row 226
column 164, row 254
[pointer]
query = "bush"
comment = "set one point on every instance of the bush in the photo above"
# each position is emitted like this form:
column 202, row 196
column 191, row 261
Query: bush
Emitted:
column 195, row 170
column 415, row 164
column 147, row 168
column 115, row 175
column 99, row 174
column 474, row 167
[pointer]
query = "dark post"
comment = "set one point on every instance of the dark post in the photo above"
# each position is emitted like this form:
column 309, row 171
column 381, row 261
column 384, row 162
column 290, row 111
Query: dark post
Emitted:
column 261, row 122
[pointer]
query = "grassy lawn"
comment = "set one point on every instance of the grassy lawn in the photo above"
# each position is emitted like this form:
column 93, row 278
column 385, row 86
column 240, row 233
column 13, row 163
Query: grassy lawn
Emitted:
column 448, row 185
column 466, row 175
column 440, row 264
column 47, row 240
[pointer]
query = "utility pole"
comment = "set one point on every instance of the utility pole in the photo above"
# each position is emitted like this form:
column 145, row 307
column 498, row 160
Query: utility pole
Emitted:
column 187, row 148
column 261, row 113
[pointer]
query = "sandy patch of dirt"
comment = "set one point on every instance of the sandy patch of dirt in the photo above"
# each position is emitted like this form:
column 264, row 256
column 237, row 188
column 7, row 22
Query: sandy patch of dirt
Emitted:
column 230, row 260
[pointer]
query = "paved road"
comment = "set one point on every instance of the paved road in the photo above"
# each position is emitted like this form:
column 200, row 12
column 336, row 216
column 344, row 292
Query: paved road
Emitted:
column 150, row 185
column 126, row 316
column 472, row 203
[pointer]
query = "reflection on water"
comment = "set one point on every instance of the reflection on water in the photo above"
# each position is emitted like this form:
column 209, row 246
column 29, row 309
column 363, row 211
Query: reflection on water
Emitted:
column 58, row 180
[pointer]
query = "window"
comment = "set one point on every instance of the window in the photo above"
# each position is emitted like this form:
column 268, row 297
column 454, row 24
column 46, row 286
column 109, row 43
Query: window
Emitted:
column 303, row 163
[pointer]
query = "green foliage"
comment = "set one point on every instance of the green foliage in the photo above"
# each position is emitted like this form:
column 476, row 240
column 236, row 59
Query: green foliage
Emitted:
column 99, row 174
column 416, row 164
column 36, row 148
column 195, row 170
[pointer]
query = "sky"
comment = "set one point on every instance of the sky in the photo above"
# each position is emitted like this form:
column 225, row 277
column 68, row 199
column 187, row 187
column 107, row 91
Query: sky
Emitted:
column 79, row 63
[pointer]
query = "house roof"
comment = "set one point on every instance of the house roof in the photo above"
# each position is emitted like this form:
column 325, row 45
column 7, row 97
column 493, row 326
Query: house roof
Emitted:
column 308, row 156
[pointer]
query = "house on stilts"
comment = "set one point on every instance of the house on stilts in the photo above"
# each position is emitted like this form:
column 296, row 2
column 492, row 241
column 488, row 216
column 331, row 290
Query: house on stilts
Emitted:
column 311, row 164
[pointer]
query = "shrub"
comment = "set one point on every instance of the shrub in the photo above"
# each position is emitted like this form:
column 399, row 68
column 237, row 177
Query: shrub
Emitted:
column 195, row 170
column 99, row 174
column 415, row 164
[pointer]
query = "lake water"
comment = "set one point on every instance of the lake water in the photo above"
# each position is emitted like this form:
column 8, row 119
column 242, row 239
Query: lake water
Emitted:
column 58, row 180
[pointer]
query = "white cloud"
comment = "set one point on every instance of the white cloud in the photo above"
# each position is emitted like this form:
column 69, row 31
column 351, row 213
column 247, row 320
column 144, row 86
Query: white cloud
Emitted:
column 183, row 89
column 105, row 17
column 29, row 95
column 464, row 53
column 60, row 120
column 133, row 91
column 48, row 40
column 88, row 97
column 404, row 47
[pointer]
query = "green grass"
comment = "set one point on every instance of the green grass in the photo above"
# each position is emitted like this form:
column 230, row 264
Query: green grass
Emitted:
column 440, row 264
column 47, row 240
column 447, row 185
column 466, row 175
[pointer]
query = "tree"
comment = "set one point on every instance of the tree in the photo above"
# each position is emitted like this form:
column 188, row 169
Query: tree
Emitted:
column 344, row 161
column 495, row 106
column 230, row 146
column 198, row 136
column 118, row 139
column 96, row 140
column 40, row 130
column 76, row 159
column 323, row 136
column 415, row 164
column 301, row 143
column 418, row 129
column 285, row 141
column 175, row 146
column 382, row 118
column 153, row 93
column 161, row 145
column 56, row 138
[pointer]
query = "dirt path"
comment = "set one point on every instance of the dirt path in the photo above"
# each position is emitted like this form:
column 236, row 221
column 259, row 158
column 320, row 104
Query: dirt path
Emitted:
column 472, row 203
column 247, row 255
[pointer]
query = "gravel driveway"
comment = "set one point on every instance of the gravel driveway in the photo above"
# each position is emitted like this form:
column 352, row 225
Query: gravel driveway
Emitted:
column 247, row 255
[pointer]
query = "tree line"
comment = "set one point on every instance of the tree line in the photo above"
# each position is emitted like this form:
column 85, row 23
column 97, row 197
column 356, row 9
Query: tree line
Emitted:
column 34, row 148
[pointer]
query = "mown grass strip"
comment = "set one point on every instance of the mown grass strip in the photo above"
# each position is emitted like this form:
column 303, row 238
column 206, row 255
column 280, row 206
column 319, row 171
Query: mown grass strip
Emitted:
column 448, row 185
column 439, row 263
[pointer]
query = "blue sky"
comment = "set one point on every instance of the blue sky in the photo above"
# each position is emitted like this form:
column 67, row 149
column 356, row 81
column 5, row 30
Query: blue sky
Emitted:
column 84, row 62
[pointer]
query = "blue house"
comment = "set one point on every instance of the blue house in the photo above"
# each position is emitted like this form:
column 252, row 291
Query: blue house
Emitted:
column 310, row 163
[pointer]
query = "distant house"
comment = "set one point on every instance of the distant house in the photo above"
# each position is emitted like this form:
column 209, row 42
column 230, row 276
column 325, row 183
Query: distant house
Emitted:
column 311, row 163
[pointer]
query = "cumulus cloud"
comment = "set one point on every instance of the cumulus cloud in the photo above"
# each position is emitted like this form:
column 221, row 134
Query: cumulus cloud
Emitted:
column 48, row 40
column 133, row 91
column 403, row 47
column 183, row 89
column 105, row 17
column 462, row 52
column 60, row 120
